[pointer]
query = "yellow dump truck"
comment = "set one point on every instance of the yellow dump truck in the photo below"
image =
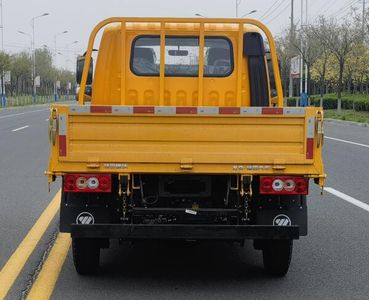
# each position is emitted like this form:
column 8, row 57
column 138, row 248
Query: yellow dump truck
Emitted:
column 182, row 134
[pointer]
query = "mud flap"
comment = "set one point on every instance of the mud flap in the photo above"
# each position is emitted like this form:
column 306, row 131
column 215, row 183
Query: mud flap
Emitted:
column 84, row 208
column 290, row 210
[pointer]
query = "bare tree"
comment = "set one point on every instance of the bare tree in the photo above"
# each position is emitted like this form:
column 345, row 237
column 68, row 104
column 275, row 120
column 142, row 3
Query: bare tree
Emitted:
column 340, row 39
column 311, row 51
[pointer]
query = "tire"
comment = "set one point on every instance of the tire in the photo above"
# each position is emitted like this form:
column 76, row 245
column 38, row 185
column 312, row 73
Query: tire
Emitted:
column 86, row 255
column 277, row 257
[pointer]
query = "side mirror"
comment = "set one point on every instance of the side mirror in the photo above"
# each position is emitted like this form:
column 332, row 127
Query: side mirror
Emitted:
column 79, row 71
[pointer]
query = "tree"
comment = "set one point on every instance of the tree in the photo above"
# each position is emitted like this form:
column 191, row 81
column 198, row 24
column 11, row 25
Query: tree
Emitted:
column 319, row 71
column 340, row 40
column 45, row 69
column 4, row 66
column 284, row 57
column 21, row 68
column 311, row 50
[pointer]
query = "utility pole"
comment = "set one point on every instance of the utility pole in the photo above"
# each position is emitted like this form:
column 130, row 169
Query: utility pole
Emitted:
column 34, row 88
column 306, row 67
column 292, row 37
column 55, row 61
column 301, row 47
column 238, row 2
column 3, row 99
column 363, row 21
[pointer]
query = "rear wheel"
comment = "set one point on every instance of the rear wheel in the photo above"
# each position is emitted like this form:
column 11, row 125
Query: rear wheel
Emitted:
column 277, row 256
column 86, row 255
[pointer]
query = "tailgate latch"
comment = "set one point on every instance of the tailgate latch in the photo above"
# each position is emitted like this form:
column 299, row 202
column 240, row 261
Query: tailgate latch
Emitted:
column 186, row 164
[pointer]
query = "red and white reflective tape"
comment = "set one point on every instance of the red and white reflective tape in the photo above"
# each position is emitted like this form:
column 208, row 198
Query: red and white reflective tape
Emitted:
column 62, row 135
column 188, row 110
column 310, row 138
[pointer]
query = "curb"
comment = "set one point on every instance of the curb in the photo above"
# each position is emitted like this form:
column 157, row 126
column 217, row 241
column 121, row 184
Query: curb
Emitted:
column 346, row 122
column 12, row 108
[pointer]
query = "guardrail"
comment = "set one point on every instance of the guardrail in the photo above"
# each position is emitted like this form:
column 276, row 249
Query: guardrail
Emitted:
column 28, row 100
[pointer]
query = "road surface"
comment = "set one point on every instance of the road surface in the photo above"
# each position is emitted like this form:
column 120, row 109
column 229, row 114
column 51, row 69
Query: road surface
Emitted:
column 331, row 262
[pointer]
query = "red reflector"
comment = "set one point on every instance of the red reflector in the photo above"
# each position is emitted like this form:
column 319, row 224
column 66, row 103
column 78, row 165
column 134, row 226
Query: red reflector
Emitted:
column 87, row 183
column 186, row 110
column 143, row 110
column 309, row 148
column 62, row 145
column 284, row 185
column 272, row 111
column 101, row 109
column 229, row 110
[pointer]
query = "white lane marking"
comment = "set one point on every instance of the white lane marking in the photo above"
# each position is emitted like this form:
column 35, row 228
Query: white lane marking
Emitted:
column 23, row 113
column 20, row 128
column 347, row 142
column 347, row 198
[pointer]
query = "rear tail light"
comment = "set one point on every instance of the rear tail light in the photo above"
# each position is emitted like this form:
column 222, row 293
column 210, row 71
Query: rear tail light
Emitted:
column 284, row 185
column 87, row 183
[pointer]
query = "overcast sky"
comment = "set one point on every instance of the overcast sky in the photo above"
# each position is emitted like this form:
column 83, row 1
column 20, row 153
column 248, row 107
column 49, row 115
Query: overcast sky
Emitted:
column 79, row 16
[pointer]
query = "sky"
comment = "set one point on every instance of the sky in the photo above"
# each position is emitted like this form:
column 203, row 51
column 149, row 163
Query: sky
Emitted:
column 78, row 17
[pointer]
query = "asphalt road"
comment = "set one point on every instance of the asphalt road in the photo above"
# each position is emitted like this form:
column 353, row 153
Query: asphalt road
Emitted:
column 331, row 262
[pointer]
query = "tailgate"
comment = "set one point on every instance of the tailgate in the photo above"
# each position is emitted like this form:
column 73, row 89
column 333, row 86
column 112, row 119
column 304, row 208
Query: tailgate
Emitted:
column 188, row 139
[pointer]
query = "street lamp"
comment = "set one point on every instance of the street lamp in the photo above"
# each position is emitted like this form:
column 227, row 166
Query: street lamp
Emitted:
column 67, row 48
column 29, row 35
column 249, row 13
column 34, row 54
column 55, row 61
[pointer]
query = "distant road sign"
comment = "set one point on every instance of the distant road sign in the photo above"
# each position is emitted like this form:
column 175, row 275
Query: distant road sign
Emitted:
column 7, row 77
column 295, row 67
column 38, row 81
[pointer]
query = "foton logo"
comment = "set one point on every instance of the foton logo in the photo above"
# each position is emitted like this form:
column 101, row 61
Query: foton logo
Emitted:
column 282, row 220
column 85, row 218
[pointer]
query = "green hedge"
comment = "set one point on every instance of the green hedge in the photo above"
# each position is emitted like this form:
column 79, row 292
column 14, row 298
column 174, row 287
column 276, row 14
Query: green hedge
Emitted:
column 351, row 102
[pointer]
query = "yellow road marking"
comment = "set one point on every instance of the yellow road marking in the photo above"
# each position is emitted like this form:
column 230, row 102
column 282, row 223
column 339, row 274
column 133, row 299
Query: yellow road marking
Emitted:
column 16, row 262
column 46, row 280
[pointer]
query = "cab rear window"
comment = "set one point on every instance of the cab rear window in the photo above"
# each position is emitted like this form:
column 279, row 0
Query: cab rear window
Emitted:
column 182, row 56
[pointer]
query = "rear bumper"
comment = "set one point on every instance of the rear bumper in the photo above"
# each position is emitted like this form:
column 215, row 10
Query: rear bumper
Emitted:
column 187, row 232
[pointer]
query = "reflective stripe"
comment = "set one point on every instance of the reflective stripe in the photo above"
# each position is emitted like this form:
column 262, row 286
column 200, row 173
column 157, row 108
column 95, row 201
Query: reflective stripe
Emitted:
column 193, row 110
column 143, row 110
column 250, row 110
column 293, row 111
column 229, row 110
column 208, row 110
column 62, row 145
column 310, row 127
column 271, row 111
column 122, row 110
column 309, row 148
column 310, row 138
column 62, row 124
column 165, row 110
column 101, row 109
column 79, row 108
column 186, row 110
